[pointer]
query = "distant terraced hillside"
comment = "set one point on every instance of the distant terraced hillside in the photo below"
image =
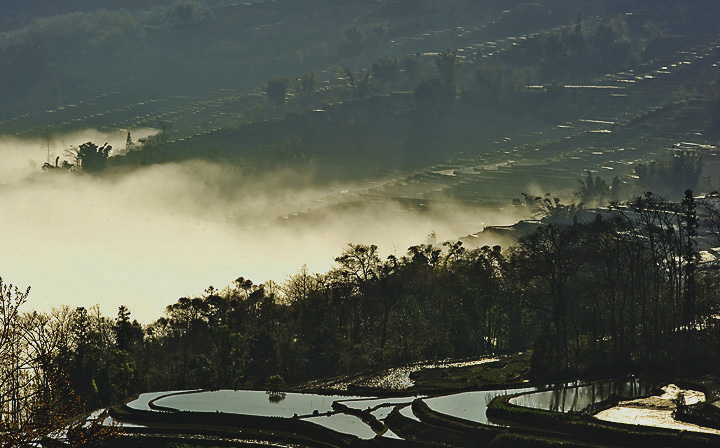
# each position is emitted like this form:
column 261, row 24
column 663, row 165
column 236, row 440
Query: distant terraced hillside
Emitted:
column 200, row 77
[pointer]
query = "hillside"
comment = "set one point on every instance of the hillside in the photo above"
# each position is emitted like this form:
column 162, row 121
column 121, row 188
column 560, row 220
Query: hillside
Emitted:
column 531, row 97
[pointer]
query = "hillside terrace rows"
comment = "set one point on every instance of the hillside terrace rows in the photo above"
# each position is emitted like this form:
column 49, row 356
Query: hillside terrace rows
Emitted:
column 610, row 142
column 480, row 181
column 138, row 106
column 612, row 122
column 137, row 103
column 492, row 177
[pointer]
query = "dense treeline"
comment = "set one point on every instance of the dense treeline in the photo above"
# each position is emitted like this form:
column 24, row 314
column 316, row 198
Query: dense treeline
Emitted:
column 366, row 312
column 623, row 289
column 40, row 398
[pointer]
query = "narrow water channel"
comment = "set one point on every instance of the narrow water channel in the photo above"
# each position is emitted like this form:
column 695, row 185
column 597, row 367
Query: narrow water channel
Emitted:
column 577, row 397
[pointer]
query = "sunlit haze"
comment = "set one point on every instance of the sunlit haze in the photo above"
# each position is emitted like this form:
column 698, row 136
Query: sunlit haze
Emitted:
column 152, row 235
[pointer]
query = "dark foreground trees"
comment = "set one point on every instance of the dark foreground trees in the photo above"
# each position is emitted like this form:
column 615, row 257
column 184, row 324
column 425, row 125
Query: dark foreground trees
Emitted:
column 622, row 291
column 619, row 291
column 276, row 90
column 37, row 401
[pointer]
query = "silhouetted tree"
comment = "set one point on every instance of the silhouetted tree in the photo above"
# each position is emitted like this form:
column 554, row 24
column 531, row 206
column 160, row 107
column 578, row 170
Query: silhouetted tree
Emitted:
column 352, row 44
column 593, row 190
column 713, row 98
column 432, row 97
column 550, row 260
column 548, row 208
column 362, row 87
column 360, row 262
column 710, row 206
column 92, row 157
column 447, row 64
column 307, row 84
column 671, row 178
column 186, row 11
column 385, row 70
column 276, row 90
column 275, row 383
column 690, row 257
column 411, row 66
column 129, row 142
column 37, row 400
column 127, row 334
column 498, row 84
column 346, row 74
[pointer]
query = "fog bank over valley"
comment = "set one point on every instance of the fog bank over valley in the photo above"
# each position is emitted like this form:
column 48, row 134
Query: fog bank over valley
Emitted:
column 23, row 157
column 147, row 236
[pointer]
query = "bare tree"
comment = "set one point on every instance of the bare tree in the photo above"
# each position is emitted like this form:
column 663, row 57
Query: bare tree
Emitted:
column 37, row 404
column 13, row 366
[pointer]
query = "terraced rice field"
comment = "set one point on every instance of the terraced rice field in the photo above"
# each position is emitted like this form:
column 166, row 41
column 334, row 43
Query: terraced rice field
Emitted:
column 623, row 117
column 370, row 418
column 613, row 133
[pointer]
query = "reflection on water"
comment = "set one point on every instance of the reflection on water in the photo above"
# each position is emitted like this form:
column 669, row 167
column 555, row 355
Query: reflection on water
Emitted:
column 383, row 412
column 577, row 398
column 408, row 412
column 371, row 403
column 347, row 424
column 470, row 405
column 251, row 402
column 142, row 401
column 380, row 408
column 275, row 397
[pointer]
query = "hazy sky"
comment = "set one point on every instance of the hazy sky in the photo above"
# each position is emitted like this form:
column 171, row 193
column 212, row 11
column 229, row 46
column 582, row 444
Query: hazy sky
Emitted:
column 150, row 236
